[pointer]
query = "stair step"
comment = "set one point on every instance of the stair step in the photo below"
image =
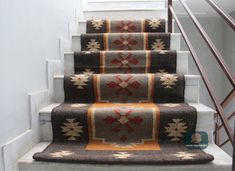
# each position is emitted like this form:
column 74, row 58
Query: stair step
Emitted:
column 222, row 161
column 80, row 27
column 146, row 1
column 182, row 62
column 205, row 120
column 127, row 13
column 124, row 4
column 174, row 45
column 191, row 88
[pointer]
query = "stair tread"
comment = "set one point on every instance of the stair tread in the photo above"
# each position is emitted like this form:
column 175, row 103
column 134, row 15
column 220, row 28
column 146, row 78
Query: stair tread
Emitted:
column 221, row 159
column 200, row 108
column 126, row 9
column 91, row 1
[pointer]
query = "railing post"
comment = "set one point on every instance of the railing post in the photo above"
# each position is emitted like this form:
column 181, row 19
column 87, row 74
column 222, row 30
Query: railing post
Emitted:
column 169, row 17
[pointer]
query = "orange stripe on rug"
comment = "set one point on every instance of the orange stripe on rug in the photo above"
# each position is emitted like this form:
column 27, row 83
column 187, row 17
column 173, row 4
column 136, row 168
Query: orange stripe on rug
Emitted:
column 101, row 143
column 102, row 62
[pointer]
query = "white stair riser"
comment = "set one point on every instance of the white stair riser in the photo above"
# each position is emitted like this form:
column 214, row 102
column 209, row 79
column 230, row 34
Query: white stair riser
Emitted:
column 125, row 5
column 204, row 123
column 182, row 63
column 175, row 42
column 191, row 89
column 124, row 14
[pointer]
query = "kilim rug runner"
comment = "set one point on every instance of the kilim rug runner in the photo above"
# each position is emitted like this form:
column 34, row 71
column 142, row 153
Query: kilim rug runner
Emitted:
column 125, row 41
column 125, row 62
column 125, row 102
column 120, row 26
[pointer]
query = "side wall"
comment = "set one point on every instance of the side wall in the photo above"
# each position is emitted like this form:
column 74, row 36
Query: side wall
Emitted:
column 29, row 32
column 223, row 37
column 214, row 28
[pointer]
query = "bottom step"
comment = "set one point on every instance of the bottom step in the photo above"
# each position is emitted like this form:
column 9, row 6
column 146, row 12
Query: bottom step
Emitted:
column 222, row 161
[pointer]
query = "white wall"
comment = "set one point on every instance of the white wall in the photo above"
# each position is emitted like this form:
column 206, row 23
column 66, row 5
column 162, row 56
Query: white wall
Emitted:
column 223, row 37
column 214, row 28
column 29, row 32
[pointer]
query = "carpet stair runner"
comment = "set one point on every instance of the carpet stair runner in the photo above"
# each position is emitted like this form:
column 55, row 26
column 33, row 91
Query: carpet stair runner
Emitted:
column 125, row 103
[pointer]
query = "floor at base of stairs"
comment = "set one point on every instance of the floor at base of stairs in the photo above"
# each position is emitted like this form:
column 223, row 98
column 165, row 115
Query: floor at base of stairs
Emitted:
column 222, row 161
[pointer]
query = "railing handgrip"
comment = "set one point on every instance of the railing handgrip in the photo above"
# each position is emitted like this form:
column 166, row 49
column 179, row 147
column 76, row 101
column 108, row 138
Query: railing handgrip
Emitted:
column 229, row 20
column 211, row 45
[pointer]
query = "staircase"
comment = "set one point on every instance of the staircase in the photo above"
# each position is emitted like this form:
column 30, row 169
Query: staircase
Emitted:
column 177, row 99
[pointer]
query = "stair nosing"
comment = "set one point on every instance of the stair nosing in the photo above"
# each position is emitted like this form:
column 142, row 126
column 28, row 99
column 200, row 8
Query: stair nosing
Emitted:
column 59, row 76
column 46, row 111
column 178, row 51
column 78, row 35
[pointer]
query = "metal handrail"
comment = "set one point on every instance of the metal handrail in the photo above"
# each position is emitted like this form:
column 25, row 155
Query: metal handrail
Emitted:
column 208, row 85
column 229, row 20
column 229, row 118
column 228, row 98
column 211, row 45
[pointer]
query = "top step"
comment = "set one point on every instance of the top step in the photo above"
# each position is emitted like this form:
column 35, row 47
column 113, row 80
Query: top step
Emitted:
column 124, row 4
column 127, row 14
column 125, row 26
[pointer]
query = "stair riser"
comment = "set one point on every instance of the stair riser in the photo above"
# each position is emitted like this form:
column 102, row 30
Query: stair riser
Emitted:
column 123, row 14
column 175, row 42
column 125, row 5
column 204, row 123
column 182, row 63
column 191, row 89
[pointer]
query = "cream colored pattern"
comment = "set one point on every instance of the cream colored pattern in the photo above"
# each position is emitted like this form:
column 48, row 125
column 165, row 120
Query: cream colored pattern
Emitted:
column 93, row 45
column 72, row 129
column 176, row 129
column 88, row 72
column 61, row 153
column 154, row 23
column 158, row 44
column 172, row 105
column 97, row 24
column 78, row 105
column 122, row 155
column 168, row 80
column 80, row 81
column 162, row 71
column 185, row 155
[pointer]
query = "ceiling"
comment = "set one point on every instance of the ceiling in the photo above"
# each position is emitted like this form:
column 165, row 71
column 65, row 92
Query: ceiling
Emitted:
column 202, row 8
